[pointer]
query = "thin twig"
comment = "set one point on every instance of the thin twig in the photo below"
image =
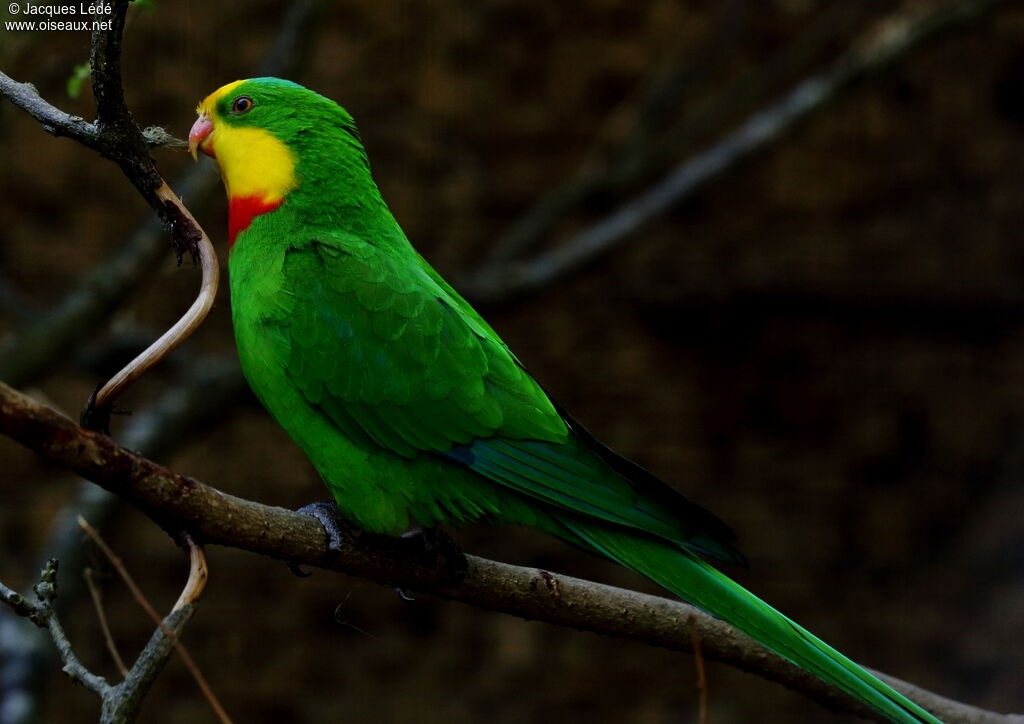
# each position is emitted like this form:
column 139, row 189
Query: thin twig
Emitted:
column 119, row 704
column 702, row 680
column 118, row 565
column 189, row 596
column 43, row 615
column 97, row 602
column 215, row 517
column 125, row 144
column 53, row 120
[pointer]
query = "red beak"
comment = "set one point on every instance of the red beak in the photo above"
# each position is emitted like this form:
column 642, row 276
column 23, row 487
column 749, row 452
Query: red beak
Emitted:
column 201, row 130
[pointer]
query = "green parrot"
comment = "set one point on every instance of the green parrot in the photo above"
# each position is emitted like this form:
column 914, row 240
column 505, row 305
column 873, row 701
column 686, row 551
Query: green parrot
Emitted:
column 411, row 408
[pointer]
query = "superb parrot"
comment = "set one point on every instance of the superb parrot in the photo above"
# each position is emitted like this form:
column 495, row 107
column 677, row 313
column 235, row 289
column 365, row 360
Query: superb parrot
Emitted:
column 411, row 408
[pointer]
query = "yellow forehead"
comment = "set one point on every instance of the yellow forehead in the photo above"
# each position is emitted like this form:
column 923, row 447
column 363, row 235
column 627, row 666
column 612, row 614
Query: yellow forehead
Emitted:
column 210, row 102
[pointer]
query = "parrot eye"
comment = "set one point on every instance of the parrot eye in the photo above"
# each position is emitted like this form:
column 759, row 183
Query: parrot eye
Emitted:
column 242, row 104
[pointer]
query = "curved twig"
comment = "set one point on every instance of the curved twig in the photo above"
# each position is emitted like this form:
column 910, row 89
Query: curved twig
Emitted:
column 169, row 340
column 39, row 342
column 197, row 573
column 30, row 352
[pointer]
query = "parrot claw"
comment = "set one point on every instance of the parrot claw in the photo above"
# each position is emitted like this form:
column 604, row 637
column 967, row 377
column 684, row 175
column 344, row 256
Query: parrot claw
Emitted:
column 437, row 546
column 326, row 511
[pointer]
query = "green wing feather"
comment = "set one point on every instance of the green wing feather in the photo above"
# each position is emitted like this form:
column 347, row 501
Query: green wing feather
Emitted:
column 397, row 359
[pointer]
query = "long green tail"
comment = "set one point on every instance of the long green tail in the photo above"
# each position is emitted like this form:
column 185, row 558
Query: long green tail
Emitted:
column 693, row 580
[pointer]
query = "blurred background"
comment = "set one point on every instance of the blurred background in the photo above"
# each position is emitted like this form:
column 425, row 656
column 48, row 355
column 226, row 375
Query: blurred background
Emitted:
column 823, row 342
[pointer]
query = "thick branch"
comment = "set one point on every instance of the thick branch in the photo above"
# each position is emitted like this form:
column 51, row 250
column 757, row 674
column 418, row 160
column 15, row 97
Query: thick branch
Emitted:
column 178, row 501
column 105, row 71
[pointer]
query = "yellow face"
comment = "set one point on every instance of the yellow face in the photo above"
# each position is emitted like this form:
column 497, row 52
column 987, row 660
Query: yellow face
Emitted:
column 252, row 161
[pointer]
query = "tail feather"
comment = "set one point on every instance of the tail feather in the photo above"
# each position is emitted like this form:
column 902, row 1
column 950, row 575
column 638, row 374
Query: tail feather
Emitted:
column 695, row 581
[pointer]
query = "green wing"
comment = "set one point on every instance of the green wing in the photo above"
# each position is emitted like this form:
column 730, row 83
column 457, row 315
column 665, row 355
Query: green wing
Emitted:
column 399, row 362
column 395, row 358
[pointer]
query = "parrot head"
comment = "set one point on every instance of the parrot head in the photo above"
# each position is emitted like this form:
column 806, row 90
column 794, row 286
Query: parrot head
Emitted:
column 270, row 136
column 245, row 126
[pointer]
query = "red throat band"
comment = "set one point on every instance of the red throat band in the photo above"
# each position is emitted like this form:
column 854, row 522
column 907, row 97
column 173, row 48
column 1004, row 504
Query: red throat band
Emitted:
column 243, row 209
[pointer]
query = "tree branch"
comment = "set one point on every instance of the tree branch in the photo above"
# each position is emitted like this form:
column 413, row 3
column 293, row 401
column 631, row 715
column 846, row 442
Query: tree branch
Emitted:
column 179, row 502
column 606, row 172
column 120, row 703
column 25, row 654
column 28, row 354
column 209, row 391
column 53, row 120
column 500, row 277
column 116, row 136
column 44, row 615
column 137, row 681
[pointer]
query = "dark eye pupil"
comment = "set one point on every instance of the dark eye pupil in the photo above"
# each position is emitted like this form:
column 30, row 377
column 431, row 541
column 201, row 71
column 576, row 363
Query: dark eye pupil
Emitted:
column 242, row 104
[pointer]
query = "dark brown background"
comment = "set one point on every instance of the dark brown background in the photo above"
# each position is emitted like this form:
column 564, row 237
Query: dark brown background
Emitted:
column 825, row 346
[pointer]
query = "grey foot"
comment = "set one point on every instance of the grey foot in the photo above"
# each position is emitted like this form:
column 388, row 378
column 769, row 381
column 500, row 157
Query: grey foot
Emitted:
column 326, row 511
column 335, row 528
